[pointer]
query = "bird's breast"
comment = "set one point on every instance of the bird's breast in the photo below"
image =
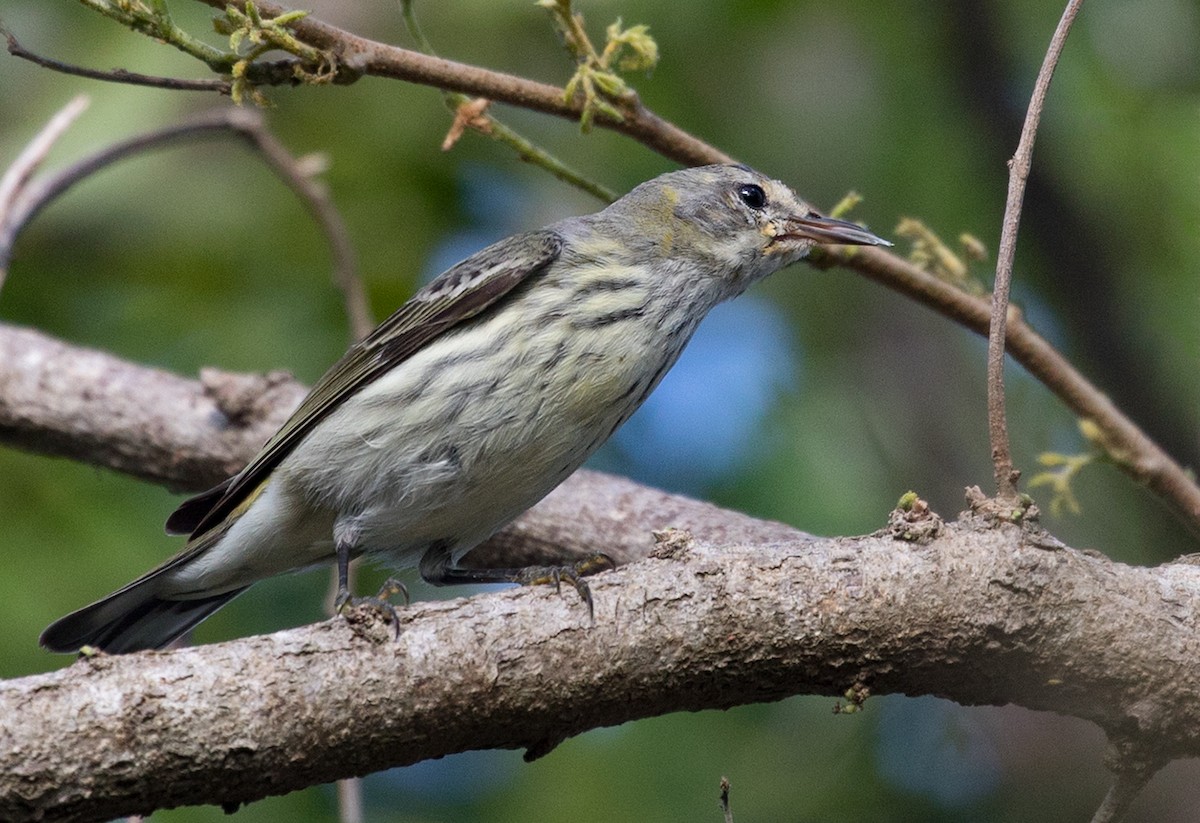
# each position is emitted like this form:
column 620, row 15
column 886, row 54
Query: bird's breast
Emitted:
column 485, row 420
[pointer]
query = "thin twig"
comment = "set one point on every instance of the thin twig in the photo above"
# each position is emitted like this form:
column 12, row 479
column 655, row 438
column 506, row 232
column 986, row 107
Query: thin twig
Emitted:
column 16, row 177
column 1127, row 446
column 293, row 172
column 34, row 154
column 115, row 75
column 1006, row 475
column 350, row 800
column 487, row 124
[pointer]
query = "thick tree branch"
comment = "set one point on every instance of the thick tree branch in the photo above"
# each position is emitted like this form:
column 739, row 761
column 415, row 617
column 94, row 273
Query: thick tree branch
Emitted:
column 756, row 612
column 73, row 402
column 977, row 614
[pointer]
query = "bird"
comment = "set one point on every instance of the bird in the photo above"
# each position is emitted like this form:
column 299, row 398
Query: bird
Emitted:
column 472, row 401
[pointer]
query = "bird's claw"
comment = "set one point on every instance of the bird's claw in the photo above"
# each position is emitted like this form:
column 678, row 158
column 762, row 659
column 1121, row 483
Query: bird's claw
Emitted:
column 379, row 602
column 572, row 573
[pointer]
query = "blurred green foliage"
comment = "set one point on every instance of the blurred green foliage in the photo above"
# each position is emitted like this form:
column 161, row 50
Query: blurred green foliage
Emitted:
column 198, row 256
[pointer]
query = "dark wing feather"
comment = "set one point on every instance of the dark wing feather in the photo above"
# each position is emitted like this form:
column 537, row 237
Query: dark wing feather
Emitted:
column 458, row 294
column 187, row 517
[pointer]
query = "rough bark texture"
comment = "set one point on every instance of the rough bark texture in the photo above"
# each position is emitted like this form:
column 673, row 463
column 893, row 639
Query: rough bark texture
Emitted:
column 74, row 402
column 977, row 614
column 747, row 611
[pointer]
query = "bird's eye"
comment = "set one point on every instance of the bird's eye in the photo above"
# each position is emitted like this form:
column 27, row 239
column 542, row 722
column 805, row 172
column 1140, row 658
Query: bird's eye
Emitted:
column 753, row 196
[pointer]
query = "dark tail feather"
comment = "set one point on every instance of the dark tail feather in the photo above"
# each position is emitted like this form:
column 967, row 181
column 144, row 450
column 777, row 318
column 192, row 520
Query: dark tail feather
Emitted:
column 187, row 517
column 130, row 620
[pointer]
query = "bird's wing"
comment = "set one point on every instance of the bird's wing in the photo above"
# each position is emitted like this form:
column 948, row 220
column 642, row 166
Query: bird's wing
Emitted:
column 458, row 294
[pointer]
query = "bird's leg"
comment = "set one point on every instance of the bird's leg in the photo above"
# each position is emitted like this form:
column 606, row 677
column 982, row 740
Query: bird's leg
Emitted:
column 345, row 539
column 444, row 574
column 343, row 545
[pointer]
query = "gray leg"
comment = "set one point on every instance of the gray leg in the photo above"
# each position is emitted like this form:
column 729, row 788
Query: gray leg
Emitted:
column 346, row 535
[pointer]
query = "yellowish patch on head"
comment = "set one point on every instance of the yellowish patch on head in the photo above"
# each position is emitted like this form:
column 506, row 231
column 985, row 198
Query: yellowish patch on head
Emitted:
column 664, row 211
column 771, row 230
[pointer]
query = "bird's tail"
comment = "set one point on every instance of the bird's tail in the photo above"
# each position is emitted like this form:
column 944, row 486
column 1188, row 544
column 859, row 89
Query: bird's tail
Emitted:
column 130, row 620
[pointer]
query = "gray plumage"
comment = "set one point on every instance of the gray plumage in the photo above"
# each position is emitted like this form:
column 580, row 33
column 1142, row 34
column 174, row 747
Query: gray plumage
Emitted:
column 473, row 400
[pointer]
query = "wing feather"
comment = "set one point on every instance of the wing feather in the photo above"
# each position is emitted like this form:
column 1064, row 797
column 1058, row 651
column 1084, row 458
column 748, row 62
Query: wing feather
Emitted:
column 458, row 294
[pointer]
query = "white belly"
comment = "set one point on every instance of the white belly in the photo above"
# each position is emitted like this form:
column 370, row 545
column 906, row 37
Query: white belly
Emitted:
column 444, row 450
column 447, row 448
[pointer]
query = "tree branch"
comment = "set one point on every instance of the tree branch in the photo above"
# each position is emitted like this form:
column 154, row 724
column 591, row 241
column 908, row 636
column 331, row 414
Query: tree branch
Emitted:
column 1130, row 448
column 115, row 75
column 68, row 401
column 750, row 611
column 16, row 177
column 754, row 611
column 977, row 614
column 27, row 199
column 358, row 56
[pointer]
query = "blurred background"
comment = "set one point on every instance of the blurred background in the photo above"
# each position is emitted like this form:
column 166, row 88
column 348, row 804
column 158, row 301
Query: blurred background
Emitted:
column 817, row 399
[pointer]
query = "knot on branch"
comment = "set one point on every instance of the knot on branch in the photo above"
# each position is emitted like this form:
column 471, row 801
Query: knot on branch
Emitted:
column 672, row 543
column 913, row 521
column 999, row 509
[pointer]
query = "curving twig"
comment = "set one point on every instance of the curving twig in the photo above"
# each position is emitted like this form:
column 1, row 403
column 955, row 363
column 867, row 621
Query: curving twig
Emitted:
column 115, row 75
column 16, row 178
column 29, row 198
column 1006, row 475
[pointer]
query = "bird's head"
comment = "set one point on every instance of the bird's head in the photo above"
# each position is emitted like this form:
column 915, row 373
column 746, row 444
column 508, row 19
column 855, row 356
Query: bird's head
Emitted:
column 731, row 220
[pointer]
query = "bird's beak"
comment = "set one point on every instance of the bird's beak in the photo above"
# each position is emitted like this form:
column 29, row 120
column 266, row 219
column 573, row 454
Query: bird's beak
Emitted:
column 818, row 229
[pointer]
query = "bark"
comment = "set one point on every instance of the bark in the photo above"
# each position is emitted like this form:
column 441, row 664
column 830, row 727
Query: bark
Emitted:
column 734, row 610
column 976, row 613
column 69, row 401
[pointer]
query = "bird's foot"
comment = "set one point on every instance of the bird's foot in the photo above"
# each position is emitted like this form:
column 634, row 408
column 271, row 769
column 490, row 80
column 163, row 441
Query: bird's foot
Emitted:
column 380, row 602
column 571, row 573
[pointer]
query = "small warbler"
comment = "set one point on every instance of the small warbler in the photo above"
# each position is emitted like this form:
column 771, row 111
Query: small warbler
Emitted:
column 472, row 402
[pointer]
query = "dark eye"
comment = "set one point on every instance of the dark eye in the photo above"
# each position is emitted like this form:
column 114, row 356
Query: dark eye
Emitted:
column 753, row 196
